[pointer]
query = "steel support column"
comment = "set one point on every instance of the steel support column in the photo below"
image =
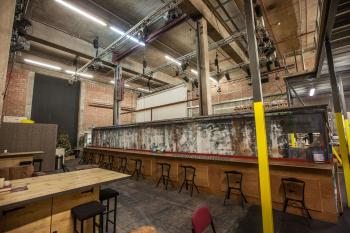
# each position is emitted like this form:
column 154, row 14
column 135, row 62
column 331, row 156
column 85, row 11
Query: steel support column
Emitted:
column 344, row 110
column 7, row 14
column 339, row 119
column 117, row 94
column 259, row 114
column 205, row 107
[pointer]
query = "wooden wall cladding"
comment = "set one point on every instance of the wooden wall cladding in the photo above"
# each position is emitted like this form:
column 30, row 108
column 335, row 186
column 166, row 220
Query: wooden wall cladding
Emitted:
column 34, row 217
column 17, row 137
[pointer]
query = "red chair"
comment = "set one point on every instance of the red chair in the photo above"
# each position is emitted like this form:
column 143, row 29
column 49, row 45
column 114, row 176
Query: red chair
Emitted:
column 201, row 219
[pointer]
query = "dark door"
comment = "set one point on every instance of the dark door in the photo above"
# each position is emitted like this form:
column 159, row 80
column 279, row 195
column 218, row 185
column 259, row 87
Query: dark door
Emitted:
column 55, row 101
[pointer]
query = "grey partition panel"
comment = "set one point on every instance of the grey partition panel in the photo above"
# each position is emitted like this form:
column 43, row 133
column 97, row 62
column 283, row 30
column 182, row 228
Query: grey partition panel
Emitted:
column 16, row 137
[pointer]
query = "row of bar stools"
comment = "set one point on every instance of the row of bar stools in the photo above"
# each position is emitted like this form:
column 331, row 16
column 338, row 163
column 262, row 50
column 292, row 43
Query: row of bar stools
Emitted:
column 234, row 182
column 189, row 175
column 165, row 175
column 123, row 164
column 106, row 195
column 138, row 169
column 87, row 211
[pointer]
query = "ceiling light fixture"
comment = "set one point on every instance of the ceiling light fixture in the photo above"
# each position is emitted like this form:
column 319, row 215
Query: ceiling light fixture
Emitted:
column 120, row 32
column 112, row 81
column 173, row 60
column 81, row 12
column 196, row 73
column 79, row 74
column 312, row 92
column 42, row 64
column 141, row 89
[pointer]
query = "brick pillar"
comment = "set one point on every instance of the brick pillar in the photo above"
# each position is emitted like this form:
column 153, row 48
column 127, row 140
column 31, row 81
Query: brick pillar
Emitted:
column 7, row 13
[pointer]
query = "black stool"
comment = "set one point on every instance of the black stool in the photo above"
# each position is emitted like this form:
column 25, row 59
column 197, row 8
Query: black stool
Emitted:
column 38, row 162
column 165, row 175
column 105, row 164
column 294, row 192
column 234, row 182
column 84, row 158
column 137, row 169
column 192, row 171
column 123, row 164
column 86, row 211
column 106, row 195
column 91, row 158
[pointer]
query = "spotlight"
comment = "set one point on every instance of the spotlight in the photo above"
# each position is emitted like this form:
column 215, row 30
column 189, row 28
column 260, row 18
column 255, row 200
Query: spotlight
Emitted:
column 312, row 91
column 227, row 76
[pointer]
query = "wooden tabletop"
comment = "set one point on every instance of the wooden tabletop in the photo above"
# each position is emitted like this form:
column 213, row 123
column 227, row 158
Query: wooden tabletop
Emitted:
column 292, row 163
column 42, row 187
column 19, row 154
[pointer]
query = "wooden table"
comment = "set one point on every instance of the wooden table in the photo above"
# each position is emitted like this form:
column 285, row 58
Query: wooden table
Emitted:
column 14, row 158
column 45, row 206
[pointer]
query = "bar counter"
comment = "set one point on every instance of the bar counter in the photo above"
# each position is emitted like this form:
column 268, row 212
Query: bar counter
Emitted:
column 46, row 205
column 321, row 181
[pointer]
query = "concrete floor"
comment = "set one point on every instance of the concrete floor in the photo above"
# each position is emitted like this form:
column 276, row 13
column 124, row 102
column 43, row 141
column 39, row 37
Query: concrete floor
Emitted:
column 141, row 203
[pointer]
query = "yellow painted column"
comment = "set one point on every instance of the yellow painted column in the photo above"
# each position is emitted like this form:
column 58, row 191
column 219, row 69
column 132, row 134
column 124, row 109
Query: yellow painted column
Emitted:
column 264, row 171
column 347, row 130
column 292, row 139
column 344, row 153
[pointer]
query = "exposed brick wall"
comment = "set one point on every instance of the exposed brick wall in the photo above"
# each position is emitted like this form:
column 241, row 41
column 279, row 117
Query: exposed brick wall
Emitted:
column 15, row 100
column 103, row 94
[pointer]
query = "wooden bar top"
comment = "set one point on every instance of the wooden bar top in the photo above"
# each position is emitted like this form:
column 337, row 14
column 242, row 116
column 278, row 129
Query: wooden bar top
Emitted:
column 43, row 187
column 223, row 158
column 19, row 154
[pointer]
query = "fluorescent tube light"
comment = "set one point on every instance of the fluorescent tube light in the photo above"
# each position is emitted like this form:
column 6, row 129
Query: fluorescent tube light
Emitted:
column 312, row 92
column 141, row 89
column 173, row 60
column 196, row 73
column 126, row 85
column 79, row 74
column 42, row 64
column 81, row 12
column 112, row 81
column 120, row 32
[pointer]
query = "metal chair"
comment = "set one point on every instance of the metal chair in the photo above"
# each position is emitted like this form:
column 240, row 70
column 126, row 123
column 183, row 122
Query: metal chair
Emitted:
column 294, row 192
column 191, row 171
column 234, row 182
column 165, row 175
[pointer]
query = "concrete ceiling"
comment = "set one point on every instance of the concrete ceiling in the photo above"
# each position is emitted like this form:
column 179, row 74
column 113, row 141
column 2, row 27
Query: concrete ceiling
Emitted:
column 180, row 40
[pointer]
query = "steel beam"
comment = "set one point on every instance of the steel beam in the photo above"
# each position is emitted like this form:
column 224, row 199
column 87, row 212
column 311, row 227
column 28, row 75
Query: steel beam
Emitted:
column 117, row 94
column 344, row 150
column 205, row 107
column 259, row 115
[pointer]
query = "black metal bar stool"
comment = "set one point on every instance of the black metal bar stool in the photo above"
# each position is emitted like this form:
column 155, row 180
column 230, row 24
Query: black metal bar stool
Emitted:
column 234, row 182
column 138, row 169
column 191, row 171
column 294, row 192
column 165, row 175
column 84, row 158
column 105, row 161
column 123, row 164
column 37, row 163
column 106, row 195
column 91, row 158
column 86, row 211
column 115, row 162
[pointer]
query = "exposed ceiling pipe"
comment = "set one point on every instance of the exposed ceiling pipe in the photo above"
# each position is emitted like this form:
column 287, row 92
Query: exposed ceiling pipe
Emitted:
column 153, row 36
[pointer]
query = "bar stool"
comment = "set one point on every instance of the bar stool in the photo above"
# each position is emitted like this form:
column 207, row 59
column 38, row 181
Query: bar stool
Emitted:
column 86, row 211
column 91, row 158
column 234, row 182
column 294, row 192
column 115, row 163
column 137, row 169
column 165, row 175
column 84, row 158
column 123, row 164
column 105, row 164
column 38, row 162
column 106, row 195
column 192, row 172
